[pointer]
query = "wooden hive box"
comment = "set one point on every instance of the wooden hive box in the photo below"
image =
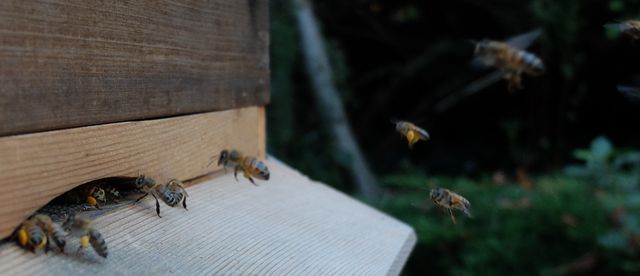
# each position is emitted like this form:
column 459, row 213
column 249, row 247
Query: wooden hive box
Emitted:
column 92, row 89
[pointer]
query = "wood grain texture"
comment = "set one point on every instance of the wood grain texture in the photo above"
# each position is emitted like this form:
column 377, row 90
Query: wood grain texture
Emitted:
column 68, row 63
column 289, row 225
column 42, row 166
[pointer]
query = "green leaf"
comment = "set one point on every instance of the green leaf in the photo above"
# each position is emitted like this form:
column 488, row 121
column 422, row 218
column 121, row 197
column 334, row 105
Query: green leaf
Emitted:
column 601, row 148
column 613, row 240
column 582, row 154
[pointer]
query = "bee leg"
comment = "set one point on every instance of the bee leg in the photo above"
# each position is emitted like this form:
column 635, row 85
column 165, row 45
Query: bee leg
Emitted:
column 140, row 198
column 514, row 80
column 248, row 176
column 184, row 203
column 157, row 205
column 235, row 172
column 452, row 217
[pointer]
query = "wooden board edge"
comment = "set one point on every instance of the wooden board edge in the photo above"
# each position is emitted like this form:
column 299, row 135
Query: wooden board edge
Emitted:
column 403, row 254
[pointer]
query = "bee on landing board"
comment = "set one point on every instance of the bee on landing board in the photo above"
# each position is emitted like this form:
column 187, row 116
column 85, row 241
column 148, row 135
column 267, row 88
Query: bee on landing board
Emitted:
column 510, row 58
column 449, row 200
column 411, row 132
column 250, row 166
column 54, row 231
column 81, row 227
column 171, row 193
column 31, row 236
column 38, row 232
column 630, row 28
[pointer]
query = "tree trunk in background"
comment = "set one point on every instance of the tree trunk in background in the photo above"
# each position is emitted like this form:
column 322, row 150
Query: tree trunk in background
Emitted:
column 329, row 103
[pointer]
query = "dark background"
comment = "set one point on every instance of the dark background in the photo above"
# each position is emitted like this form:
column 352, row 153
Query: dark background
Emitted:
column 400, row 59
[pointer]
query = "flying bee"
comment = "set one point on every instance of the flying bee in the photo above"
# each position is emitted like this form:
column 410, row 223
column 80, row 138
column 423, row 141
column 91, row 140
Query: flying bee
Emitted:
column 509, row 58
column 31, row 236
column 171, row 193
column 54, row 231
column 630, row 28
column 81, row 227
column 449, row 200
column 250, row 166
column 411, row 132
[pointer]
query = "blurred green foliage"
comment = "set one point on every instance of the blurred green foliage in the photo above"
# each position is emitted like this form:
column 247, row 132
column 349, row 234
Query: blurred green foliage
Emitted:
column 584, row 220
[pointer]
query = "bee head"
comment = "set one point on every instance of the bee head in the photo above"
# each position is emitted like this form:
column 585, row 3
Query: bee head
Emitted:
column 263, row 174
column 224, row 156
column 144, row 182
column 436, row 192
column 37, row 241
column 263, row 171
column 401, row 126
column 480, row 46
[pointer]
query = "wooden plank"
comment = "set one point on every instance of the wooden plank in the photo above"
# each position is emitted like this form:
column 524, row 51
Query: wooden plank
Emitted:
column 38, row 167
column 68, row 63
column 289, row 225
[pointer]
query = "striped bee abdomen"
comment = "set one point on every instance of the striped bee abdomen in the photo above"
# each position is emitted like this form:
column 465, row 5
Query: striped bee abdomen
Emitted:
column 169, row 197
column 98, row 243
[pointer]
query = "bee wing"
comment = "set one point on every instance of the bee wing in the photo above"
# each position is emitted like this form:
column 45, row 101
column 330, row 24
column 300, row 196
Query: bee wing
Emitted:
column 482, row 83
column 468, row 90
column 630, row 92
column 522, row 41
column 613, row 26
column 482, row 61
column 424, row 135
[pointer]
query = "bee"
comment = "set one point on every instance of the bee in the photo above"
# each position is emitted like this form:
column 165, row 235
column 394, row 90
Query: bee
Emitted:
column 509, row 58
column 31, row 236
column 630, row 28
column 171, row 193
column 53, row 231
column 81, row 227
column 449, row 200
column 112, row 194
column 411, row 132
column 250, row 166
column 94, row 195
column 630, row 92
column 91, row 195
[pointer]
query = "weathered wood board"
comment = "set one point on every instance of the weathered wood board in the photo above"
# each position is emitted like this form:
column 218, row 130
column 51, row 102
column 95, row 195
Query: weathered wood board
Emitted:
column 68, row 63
column 288, row 225
column 36, row 168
